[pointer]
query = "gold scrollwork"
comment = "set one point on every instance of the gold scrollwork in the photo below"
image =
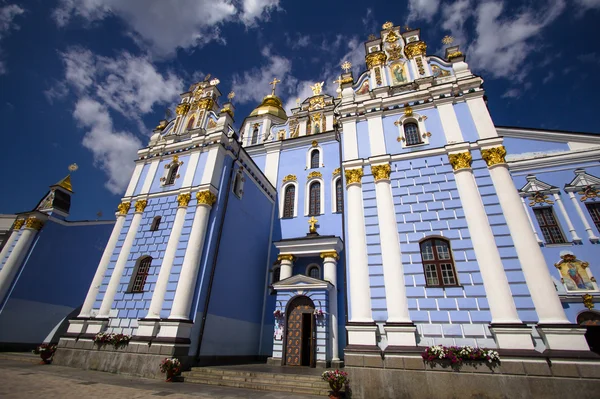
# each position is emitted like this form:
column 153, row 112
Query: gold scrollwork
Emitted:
column 462, row 160
column 388, row 25
column 391, row 37
column 287, row 257
column 330, row 254
column 34, row 223
column 588, row 301
column 140, row 205
column 184, row 199
column 206, row 197
column 314, row 143
column 314, row 174
column 415, row 48
column 346, row 80
column 378, row 76
column 455, row 54
column 381, row 172
column 289, row 178
column 336, row 171
column 316, row 103
column 408, row 111
column 588, row 192
column 206, row 103
column 494, row 156
column 182, row 108
column 18, row 224
column 353, row 176
column 539, row 198
column 376, row 58
column 394, row 52
column 123, row 208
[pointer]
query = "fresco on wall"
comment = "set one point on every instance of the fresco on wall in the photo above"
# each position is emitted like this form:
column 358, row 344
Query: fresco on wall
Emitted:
column 364, row 88
column 574, row 273
column 398, row 74
column 437, row 71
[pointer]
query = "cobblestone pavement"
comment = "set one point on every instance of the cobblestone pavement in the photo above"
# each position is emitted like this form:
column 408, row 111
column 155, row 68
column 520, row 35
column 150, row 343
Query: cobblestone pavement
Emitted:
column 26, row 379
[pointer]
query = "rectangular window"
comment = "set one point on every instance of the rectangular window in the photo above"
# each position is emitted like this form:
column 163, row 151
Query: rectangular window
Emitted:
column 431, row 275
column 141, row 275
column 549, row 225
column 448, row 274
column 594, row 210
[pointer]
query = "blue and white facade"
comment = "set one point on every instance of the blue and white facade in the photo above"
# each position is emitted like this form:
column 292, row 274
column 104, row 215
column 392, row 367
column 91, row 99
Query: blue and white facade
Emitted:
column 393, row 217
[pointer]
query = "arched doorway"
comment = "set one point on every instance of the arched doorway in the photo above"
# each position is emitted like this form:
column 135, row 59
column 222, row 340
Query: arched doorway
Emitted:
column 591, row 320
column 300, row 332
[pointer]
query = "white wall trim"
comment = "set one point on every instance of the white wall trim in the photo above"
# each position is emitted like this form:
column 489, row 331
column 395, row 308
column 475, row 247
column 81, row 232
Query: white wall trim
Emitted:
column 282, row 198
column 307, row 195
column 420, row 121
column 333, row 192
column 309, row 153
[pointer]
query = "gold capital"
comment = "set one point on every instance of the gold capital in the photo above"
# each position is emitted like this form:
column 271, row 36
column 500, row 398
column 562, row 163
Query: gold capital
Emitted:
column 18, row 224
column 34, row 223
column 353, row 176
column 184, row 199
column 453, row 55
column 414, row 49
column 330, row 254
column 462, row 160
column 182, row 108
column 206, row 197
column 381, row 172
column 140, row 205
column 494, row 156
column 375, row 58
column 290, row 258
column 123, row 208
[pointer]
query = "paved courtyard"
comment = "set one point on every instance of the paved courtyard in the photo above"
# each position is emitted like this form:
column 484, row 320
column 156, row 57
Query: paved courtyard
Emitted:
column 26, row 378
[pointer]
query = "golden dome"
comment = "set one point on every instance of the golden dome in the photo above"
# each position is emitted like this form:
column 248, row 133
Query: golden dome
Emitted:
column 271, row 104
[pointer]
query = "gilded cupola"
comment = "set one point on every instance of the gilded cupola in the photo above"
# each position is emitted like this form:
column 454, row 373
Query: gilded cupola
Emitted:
column 272, row 105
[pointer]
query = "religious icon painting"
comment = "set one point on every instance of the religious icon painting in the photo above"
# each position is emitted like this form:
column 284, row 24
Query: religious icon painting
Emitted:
column 439, row 72
column 398, row 73
column 364, row 88
column 575, row 274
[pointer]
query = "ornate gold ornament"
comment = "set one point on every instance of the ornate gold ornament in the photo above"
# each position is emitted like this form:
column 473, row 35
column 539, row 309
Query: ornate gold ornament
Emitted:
column 539, row 198
column 378, row 76
column 346, row 80
column 317, row 88
column 415, row 48
column 462, row 160
column 388, row 25
column 273, row 84
column 420, row 66
column 231, row 95
column 330, row 254
column 353, row 176
column 314, row 174
column 312, row 225
column 314, row 143
column 588, row 301
column 316, row 103
column 206, row 103
column 206, row 197
column 494, row 156
column 336, row 171
column 447, row 40
column 18, row 224
column 34, row 223
column 123, row 208
column 287, row 257
column 289, row 178
column 184, row 199
column 454, row 54
column 372, row 37
column 281, row 134
column 408, row 111
column 182, row 108
column 175, row 160
column 375, row 59
column 394, row 52
column 588, row 192
column 346, row 66
column 140, row 205
column 381, row 172
column 391, row 37
column 227, row 109
column 73, row 167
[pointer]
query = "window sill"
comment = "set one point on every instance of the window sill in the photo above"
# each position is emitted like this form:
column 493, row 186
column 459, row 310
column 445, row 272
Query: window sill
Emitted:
column 414, row 145
column 444, row 286
column 561, row 244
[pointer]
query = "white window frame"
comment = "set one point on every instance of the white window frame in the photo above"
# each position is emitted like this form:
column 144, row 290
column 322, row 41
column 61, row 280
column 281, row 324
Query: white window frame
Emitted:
column 308, row 154
column 307, row 195
column 165, row 178
column 239, row 193
column 333, row 192
column 273, row 273
column 311, row 266
column 420, row 121
column 282, row 198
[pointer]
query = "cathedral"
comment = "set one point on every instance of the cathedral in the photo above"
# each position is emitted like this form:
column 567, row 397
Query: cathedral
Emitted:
column 353, row 231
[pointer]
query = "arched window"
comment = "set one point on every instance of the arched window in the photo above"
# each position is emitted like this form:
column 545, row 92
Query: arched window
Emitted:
column 190, row 124
column 314, row 272
column 140, row 273
column 155, row 223
column 238, row 183
column 411, row 134
column 254, row 139
column 314, row 200
column 172, row 175
column 314, row 159
column 339, row 196
column 438, row 263
column 288, row 201
column 276, row 274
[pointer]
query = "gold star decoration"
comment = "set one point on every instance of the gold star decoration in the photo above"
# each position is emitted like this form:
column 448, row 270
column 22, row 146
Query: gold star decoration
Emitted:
column 231, row 95
column 388, row 25
column 346, row 65
column 372, row 37
column 447, row 39
column 73, row 167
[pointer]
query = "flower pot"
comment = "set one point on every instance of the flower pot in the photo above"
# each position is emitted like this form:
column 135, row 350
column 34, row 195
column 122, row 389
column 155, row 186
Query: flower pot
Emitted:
column 46, row 356
column 170, row 375
column 335, row 395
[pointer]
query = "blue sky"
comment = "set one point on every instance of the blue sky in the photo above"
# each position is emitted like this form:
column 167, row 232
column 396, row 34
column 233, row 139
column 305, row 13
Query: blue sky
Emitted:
column 85, row 81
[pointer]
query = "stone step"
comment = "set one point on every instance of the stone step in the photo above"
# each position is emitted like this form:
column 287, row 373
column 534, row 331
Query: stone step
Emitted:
column 257, row 386
column 256, row 374
column 282, row 380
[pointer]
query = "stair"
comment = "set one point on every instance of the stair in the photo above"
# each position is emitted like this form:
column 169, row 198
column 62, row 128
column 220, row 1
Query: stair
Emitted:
column 264, row 381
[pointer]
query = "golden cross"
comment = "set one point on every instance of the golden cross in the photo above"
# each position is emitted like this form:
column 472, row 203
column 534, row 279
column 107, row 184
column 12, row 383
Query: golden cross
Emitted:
column 346, row 66
column 312, row 225
column 274, row 83
column 339, row 82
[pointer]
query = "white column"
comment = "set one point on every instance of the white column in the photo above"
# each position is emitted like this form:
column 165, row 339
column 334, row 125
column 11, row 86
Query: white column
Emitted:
column 586, row 225
column 150, row 176
column 134, row 179
column 272, row 161
column 104, row 261
column 530, row 221
column 302, row 123
column 449, row 121
column 11, row 239
column 17, row 255
column 189, row 270
column 350, row 140
column 286, row 263
column 563, row 211
column 117, row 273
column 158, row 296
column 481, row 118
column 330, row 274
column 376, row 139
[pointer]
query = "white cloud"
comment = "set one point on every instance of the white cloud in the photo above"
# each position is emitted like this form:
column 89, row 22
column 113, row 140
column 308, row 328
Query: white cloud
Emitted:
column 548, row 77
column 422, row 9
column 369, row 23
column 454, row 16
column 7, row 16
column 589, row 57
column 588, row 4
column 126, row 84
column 163, row 26
column 512, row 93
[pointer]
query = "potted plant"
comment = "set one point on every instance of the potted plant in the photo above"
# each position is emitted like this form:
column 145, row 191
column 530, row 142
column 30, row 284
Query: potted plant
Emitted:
column 46, row 351
column 337, row 379
column 171, row 367
column 455, row 356
column 319, row 313
column 278, row 313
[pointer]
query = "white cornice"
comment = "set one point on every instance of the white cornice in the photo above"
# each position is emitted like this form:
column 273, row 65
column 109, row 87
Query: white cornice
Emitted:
column 309, row 246
column 541, row 160
column 546, row 135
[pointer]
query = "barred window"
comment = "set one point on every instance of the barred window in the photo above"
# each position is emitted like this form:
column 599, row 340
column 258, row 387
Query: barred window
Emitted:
column 438, row 264
column 254, row 139
column 314, row 207
column 314, row 159
column 594, row 210
column 155, row 223
column 549, row 225
column 172, row 175
column 276, row 274
column 339, row 196
column 411, row 134
column 314, row 272
column 288, row 201
column 140, row 273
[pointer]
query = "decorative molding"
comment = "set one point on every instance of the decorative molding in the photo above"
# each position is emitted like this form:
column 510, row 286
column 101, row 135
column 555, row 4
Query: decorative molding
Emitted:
column 184, row 199
column 353, row 176
column 588, row 301
column 123, row 208
column 375, row 59
column 206, row 198
column 415, row 48
column 461, row 160
column 314, row 174
column 381, row 172
column 336, row 171
column 34, row 223
column 330, row 254
column 18, row 224
column 494, row 156
column 140, row 205
column 182, row 108
column 289, row 178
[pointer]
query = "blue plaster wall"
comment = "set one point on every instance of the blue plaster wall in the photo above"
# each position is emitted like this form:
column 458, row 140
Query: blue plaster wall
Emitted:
column 433, row 125
column 260, row 161
column 157, row 186
column 69, row 255
column 200, row 169
column 520, row 146
column 465, row 121
column 362, row 138
column 142, row 179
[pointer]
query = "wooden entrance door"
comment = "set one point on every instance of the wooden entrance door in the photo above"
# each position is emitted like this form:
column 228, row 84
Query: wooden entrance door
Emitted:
column 300, row 332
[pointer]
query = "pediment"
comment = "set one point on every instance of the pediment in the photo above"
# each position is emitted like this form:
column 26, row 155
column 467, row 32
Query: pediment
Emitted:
column 535, row 185
column 301, row 281
column 583, row 180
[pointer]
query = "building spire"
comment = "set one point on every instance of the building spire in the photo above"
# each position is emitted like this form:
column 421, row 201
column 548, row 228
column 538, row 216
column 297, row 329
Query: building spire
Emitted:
column 66, row 183
column 274, row 83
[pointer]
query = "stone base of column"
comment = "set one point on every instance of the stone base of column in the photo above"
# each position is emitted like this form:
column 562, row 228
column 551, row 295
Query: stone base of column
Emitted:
column 337, row 364
column 512, row 336
column 94, row 326
column 147, row 328
column 179, row 329
column 563, row 337
column 77, row 326
column 363, row 334
column 401, row 334
column 274, row 361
